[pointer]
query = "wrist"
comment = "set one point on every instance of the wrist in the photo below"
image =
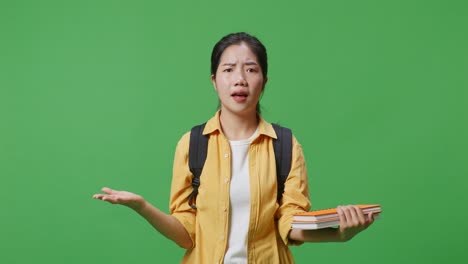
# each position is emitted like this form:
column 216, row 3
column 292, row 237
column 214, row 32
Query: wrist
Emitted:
column 343, row 235
column 139, row 205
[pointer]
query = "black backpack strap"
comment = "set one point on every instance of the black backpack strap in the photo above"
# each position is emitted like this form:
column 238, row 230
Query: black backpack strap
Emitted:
column 198, row 149
column 283, row 156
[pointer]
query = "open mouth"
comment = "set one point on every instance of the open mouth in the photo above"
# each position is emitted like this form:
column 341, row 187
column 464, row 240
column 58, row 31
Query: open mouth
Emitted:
column 239, row 96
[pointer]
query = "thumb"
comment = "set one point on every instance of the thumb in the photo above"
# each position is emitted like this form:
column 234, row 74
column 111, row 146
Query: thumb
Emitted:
column 108, row 190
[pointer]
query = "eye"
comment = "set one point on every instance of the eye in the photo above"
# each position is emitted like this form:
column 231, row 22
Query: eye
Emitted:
column 252, row 70
column 227, row 70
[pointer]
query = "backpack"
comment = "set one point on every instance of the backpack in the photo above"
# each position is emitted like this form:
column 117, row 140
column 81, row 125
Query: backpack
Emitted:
column 198, row 149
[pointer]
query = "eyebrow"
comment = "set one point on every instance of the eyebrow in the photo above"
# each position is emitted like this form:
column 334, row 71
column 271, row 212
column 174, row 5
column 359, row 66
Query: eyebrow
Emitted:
column 234, row 64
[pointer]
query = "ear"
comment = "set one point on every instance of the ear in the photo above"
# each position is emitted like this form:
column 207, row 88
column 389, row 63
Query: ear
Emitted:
column 264, row 83
column 213, row 81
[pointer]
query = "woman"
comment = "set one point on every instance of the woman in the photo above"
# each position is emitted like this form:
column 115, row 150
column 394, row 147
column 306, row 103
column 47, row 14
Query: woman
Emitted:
column 238, row 218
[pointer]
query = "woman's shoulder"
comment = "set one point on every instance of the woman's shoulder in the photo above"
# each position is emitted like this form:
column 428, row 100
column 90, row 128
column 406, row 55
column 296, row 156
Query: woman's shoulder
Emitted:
column 184, row 141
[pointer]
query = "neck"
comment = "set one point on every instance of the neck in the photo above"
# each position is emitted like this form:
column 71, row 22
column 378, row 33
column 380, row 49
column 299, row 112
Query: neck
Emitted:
column 238, row 127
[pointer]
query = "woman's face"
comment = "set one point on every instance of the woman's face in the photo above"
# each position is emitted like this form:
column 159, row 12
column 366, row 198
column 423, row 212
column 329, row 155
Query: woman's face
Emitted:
column 239, row 80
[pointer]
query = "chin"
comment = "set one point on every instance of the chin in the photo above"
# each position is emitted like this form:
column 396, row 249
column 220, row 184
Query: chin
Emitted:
column 240, row 110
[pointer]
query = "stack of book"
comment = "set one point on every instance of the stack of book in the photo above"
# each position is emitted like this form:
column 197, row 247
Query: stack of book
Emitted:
column 328, row 217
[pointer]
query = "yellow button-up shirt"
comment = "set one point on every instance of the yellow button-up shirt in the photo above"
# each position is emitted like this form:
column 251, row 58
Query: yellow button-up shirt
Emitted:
column 270, row 221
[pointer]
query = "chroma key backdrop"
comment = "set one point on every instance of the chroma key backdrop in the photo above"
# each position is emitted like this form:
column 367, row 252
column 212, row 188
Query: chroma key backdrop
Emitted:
column 98, row 93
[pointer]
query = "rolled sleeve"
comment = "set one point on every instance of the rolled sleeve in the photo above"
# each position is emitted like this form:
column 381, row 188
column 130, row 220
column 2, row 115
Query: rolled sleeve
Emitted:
column 295, row 197
column 181, row 188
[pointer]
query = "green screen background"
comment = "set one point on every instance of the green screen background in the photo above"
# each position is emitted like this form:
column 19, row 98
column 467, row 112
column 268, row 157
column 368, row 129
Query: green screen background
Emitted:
column 97, row 93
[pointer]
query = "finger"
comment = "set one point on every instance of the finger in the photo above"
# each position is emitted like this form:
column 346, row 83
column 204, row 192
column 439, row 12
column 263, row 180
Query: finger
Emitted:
column 98, row 196
column 108, row 190
column 370, row 218
column 110, row 198
column 354, row 216
column 349, row 217
column 360, row 215
column 342, row 216
column 295, row 242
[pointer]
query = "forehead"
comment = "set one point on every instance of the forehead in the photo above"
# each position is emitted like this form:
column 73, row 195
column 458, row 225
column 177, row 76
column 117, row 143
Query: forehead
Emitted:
column 238, row 52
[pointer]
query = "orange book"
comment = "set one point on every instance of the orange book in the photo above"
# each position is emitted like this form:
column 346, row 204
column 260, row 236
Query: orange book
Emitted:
column 324, row 215
column 314, row 225
column 319, row 224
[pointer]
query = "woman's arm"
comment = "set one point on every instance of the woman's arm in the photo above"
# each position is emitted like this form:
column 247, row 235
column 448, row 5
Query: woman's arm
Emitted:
column 164, row 223
column 352, row 222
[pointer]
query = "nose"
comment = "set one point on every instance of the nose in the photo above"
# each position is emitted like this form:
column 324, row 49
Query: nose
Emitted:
column 240, row 79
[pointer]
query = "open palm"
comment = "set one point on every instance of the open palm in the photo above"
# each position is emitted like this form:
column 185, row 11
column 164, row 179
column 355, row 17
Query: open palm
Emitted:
column 129, row 199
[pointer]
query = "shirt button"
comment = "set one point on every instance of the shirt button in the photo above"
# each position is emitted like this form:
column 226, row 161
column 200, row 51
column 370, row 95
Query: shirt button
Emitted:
column 226, row 180
column 224, row 209
column 226, row 155
column 221, row 238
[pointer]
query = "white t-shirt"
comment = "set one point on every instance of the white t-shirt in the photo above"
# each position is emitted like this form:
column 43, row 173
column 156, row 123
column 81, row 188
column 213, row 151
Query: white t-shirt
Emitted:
column 239, row 196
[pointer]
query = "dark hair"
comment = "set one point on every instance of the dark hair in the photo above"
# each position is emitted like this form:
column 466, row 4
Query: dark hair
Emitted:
column 236, row 38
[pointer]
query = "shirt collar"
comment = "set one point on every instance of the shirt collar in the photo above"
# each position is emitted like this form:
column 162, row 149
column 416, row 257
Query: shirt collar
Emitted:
column 264, row 128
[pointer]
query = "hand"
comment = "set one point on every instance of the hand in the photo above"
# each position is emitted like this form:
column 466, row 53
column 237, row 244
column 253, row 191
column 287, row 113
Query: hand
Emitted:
column 292, row 242
column 134, row 201
column 352, row 221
